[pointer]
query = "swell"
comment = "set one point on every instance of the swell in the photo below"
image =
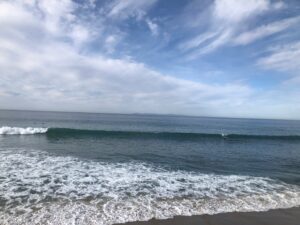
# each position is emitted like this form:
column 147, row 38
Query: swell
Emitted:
column 68, row 132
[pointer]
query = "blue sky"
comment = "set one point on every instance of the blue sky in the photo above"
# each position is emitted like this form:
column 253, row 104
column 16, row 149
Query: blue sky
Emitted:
column 231, row 58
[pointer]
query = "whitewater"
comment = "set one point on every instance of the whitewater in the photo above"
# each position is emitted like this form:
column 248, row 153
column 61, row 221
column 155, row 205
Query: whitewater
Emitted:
column 19, row 130
column 39, row 188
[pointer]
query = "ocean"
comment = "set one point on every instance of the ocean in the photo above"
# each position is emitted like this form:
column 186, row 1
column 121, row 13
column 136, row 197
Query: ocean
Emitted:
column 84, row 168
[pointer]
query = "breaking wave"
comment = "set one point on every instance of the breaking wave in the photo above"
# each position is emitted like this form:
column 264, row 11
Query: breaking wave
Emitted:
column 20, row 130
column 40, row 188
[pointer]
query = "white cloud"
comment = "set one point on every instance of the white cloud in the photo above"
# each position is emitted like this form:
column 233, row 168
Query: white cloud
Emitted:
column 232, row 11
column 80, row 34
column 279, row 5
column 265, row 30
column 56, row 14
column 111, row 42
column 153, row 27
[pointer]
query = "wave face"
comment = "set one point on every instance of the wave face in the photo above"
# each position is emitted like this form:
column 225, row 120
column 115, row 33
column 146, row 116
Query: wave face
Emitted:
column 39, row 188
column 66, row 132
column 20, row 130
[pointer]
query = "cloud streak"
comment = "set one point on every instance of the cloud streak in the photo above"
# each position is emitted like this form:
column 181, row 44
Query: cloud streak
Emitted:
column 265, row 31
column 283, row 58
column 227, row 18
column 120, row 9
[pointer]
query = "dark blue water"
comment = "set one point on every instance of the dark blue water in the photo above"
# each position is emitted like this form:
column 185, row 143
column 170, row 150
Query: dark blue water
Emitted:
column 158, row 166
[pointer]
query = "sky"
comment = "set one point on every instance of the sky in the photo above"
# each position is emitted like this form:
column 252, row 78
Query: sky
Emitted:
column 221, row 58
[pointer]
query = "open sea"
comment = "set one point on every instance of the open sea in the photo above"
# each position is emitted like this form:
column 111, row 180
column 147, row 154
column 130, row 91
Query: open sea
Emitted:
column 84, row 168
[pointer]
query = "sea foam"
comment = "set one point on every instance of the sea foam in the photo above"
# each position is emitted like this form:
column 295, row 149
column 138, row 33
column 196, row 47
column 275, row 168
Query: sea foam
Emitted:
column 40, row 188
column 20, row 130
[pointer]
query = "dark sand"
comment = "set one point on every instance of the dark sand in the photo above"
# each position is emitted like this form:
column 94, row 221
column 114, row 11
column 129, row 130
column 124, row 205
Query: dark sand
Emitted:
column 272, row 217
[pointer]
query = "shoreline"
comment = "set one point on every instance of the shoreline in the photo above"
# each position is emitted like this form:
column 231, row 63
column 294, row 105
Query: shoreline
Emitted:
column 290, row 216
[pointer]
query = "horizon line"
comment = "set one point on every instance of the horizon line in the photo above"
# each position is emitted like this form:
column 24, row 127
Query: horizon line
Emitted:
column 151, row 114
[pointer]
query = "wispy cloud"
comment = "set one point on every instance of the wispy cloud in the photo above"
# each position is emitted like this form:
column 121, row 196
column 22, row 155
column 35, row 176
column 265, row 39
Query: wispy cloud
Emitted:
column 227, row 18
column 283, row 58
column 265, row 31
column 198, row 40
column 111, row 42
column 153, row 27
column 121, row 9
column 223, row 37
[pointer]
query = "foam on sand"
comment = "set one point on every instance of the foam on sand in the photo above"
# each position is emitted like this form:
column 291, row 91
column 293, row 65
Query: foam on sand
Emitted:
column 39, row 188
column 20, row 130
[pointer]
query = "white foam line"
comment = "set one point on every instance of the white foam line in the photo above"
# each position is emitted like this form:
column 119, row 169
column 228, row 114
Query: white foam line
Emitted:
column 38, row 188
column 19, row 130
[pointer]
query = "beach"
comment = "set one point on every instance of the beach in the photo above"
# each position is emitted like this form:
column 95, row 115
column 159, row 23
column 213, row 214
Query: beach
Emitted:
column 273, row 217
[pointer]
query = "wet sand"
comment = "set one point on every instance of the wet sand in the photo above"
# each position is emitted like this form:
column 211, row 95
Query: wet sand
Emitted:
column 272, row 217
